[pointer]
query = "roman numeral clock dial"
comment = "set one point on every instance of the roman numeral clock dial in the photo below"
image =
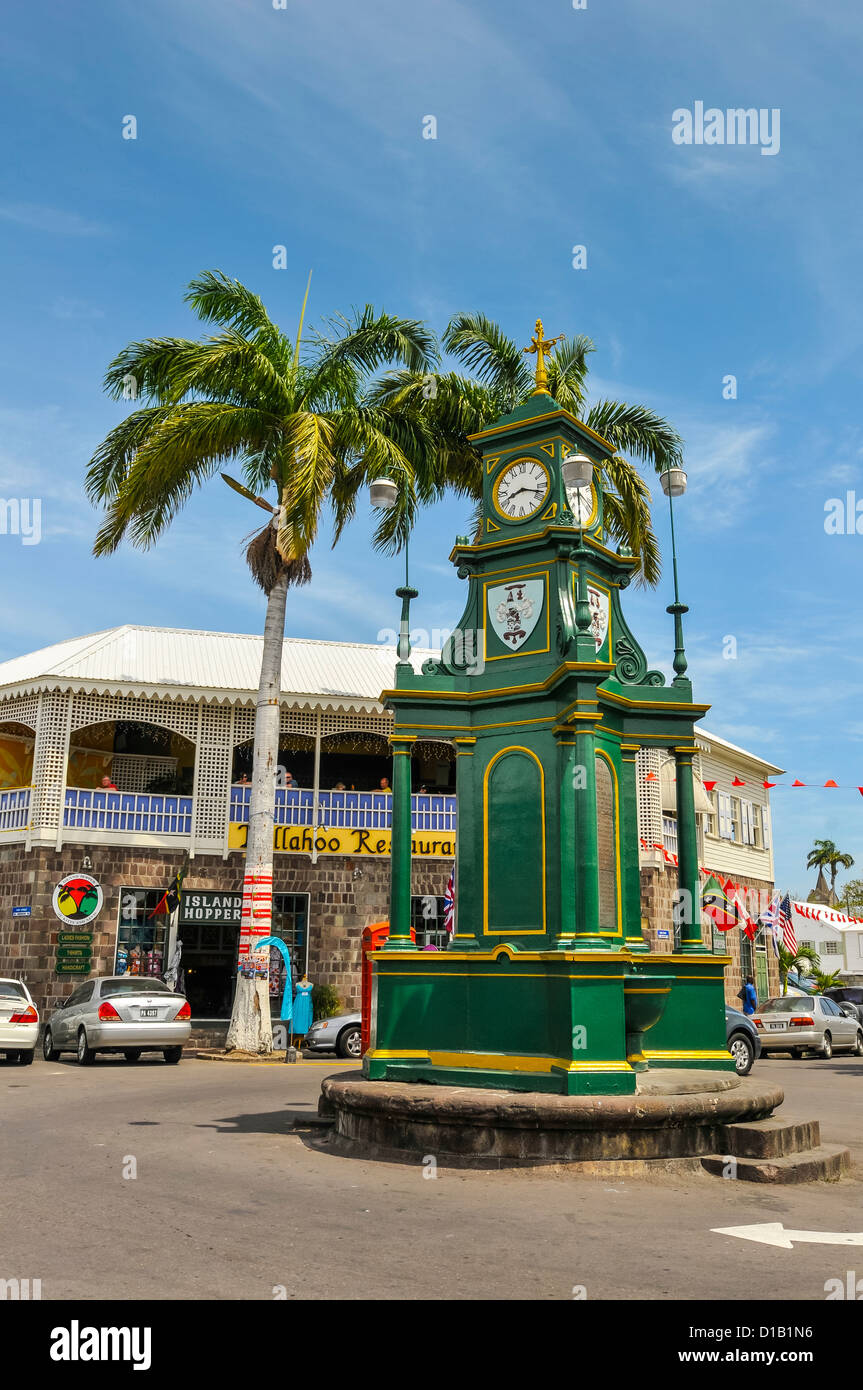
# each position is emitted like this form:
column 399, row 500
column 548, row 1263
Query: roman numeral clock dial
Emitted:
column 521, row 489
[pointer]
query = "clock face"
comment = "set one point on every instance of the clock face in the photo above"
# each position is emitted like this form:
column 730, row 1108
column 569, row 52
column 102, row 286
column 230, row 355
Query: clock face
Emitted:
column 521, row 489
column 580, row 503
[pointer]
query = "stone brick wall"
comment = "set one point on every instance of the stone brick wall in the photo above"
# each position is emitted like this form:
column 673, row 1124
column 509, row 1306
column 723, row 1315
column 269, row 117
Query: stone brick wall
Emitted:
column 346, row 895
column 657, row 899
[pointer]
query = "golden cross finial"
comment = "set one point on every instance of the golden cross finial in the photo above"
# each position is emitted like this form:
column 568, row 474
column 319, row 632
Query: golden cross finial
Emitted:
column 541, row 346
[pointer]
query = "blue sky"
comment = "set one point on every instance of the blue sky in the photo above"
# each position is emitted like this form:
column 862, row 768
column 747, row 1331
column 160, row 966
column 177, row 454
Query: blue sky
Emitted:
column 303, row 127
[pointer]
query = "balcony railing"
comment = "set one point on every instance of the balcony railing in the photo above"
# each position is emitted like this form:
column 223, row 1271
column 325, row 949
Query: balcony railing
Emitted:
column 350, row 810
column 141, row 812
column 14, row 809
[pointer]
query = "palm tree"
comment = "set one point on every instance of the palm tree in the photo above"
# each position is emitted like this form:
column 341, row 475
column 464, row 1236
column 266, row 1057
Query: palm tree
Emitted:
column 824, row 981
column 457, row 406
column 804, row 961
column 297, row 422
column 825, row 855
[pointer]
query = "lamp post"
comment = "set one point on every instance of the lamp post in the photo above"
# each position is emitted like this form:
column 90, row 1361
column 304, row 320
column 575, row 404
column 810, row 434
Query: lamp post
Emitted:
column 673, row 482
column 384, row 495
column 577, row 472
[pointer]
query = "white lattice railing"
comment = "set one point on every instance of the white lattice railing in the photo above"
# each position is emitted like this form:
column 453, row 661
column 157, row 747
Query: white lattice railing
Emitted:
column 147, row 812
column 14, row 809
column 350, row 810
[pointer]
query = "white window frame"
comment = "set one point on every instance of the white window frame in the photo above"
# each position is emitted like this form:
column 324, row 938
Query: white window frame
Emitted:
column 726, row 823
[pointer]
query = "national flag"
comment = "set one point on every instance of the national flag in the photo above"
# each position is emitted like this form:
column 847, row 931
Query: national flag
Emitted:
column 449, row 905
column 170, row 904
column 722, row 910
column 770, row 919
column 170, row 899
column 789, row 940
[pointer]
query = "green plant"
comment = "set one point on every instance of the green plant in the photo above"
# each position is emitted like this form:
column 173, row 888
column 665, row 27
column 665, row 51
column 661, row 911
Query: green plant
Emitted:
column 326, row 1003
column 803, row 962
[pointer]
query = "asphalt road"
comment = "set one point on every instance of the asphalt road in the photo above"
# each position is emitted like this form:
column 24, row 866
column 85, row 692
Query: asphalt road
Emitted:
column 228, row 1203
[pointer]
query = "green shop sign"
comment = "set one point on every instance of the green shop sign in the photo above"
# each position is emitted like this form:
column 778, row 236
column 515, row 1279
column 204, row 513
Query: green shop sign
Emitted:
column 75, row 938
column 72, row 967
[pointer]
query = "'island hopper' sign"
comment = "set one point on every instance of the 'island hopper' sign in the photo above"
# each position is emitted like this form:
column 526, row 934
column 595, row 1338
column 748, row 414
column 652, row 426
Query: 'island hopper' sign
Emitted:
column 291, row 839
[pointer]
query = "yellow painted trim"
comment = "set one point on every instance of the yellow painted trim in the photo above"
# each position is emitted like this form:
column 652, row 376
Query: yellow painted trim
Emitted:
column 511, row 463
column 551, row 513
column 666, row 990
column 492, row 461
column 565, row 668
column 491, row 525
column 601, row 753
column 491, row 975
column 712, row 1056
column 536, row 419
column 612, row 957
column 495, row 1061
column 487, row 584
column 531, row 931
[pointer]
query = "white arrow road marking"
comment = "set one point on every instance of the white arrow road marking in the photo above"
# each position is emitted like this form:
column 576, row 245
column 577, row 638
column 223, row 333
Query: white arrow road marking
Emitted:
column 774, row 1233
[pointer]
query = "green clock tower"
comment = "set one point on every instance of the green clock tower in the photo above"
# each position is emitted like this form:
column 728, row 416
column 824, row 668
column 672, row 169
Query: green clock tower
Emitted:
column 546, row 695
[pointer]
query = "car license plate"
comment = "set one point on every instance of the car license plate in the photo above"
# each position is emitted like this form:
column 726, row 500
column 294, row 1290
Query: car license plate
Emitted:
column 776, row 1027
column 148, row 1013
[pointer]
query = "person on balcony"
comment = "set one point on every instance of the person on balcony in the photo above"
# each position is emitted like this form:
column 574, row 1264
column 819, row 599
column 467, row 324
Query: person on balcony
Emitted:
column 107, row 785
column 339, row 787
column 290, row 780
column 385, row 785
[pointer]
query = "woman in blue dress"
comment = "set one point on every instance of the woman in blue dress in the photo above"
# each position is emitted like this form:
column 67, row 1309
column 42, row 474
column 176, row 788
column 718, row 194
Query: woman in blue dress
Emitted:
column 302, row 1015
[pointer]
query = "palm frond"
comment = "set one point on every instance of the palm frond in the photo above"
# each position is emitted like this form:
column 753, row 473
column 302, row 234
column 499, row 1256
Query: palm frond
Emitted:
column 485, row 350
column 636, row 430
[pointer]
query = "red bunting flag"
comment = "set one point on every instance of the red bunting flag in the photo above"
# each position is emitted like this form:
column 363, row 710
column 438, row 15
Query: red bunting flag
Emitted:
column 795, row 783
column 860, row 790
column 737, row 782
column 831, row 783
column 651, row 777
column 709, row 786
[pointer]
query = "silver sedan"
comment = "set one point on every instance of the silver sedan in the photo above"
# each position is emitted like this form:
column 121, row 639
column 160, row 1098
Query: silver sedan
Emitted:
column 341, row 1035
column 808, row 1023
column 125, row 1013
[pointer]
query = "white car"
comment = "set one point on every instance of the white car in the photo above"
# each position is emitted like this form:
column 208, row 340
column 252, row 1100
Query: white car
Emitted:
column 19, row 1022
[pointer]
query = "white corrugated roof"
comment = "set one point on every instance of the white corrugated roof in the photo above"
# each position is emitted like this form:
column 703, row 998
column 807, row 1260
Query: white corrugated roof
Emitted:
column 134, row 660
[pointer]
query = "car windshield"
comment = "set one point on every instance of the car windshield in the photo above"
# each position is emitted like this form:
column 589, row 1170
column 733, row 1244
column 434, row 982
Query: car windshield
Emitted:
column 134, row 985
column 10, row 989
column 791, row 1004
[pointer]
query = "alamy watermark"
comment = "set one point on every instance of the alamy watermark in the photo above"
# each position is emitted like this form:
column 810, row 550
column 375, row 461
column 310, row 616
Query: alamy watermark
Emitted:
column 21, row 516
column 733, row 126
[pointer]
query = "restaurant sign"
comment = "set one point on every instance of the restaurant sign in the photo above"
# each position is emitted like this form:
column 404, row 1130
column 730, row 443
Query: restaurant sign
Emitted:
column 288, row 839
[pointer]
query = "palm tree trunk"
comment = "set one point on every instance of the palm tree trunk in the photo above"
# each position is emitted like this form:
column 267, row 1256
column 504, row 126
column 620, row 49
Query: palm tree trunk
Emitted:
column 250, row 1029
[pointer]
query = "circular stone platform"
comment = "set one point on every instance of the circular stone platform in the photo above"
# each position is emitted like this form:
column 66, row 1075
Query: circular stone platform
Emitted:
column 673, row 1115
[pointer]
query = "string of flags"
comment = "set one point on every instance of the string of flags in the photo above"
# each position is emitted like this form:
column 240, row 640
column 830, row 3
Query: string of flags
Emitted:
column 724, row 902
column 784, row 786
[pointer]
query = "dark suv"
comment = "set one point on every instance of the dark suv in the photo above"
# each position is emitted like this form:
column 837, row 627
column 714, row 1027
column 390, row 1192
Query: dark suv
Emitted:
column 848, row 994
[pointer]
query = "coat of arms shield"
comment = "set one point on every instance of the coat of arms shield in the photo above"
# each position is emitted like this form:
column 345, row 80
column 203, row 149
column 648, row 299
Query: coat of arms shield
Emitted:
column 514, row 610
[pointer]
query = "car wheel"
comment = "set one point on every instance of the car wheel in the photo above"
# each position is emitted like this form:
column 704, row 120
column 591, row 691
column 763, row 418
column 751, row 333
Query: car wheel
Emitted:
column 172, row 1055
column 826, row 1047
column 49, row 1051
column 84, row 1051
column 858, row 1045
column 25, row 1058
column 131, row 1054
column 743, row 1053
column 350, row 1043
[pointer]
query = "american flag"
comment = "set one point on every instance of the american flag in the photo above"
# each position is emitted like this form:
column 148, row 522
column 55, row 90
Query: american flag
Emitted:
column 789, row 940
column 449, row 905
